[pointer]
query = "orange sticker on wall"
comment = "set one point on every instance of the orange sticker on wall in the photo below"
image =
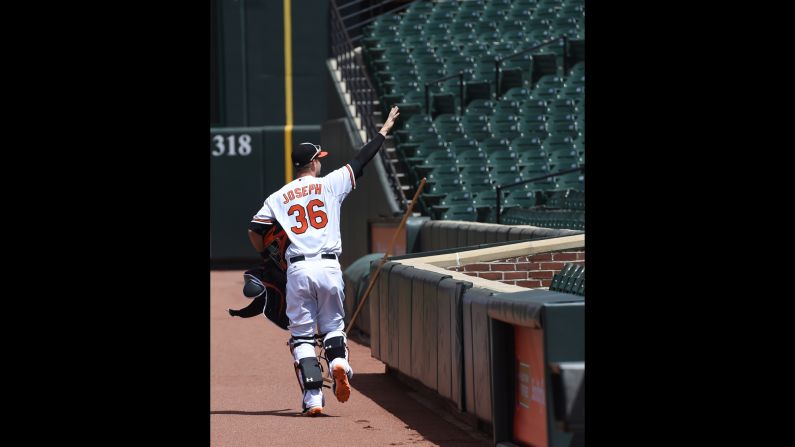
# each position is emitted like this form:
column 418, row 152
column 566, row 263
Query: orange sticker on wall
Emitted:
column 523, row 380
column 530, row 410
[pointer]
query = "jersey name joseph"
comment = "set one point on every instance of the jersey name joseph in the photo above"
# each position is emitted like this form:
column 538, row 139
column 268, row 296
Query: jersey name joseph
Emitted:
column 308, row 208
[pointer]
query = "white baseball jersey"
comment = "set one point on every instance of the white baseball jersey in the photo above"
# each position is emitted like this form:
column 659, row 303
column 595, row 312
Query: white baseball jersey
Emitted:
column 308, row 208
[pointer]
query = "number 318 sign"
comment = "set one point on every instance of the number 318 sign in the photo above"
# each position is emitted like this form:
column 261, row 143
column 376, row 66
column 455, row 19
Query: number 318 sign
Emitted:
column 231, row 145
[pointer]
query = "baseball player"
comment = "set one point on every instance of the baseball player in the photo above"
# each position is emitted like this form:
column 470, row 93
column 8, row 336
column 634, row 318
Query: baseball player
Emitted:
column 308, row 208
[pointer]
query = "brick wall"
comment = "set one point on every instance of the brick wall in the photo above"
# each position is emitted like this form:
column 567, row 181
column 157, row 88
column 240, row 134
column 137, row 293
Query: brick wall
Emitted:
column 524, row 271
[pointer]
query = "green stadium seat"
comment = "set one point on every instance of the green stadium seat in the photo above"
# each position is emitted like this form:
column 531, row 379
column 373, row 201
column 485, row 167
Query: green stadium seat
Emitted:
column 520, row 15
column 545, row 10
column 516, row 36
column 469, row 14
column 532, row 164
column 532, row 118
column 571, row 8
column 433, row 161
column 573, row 180
column 433, row 194
column 502, row 157
column 522, row 197
column 470, row 169
column 512, row 23
column 533, row 130
column 518, row 94
column 409, row 109
column 563, row 106
column 475, row 118
column 539, row 33
column 463, row 38
column 485, row 25
column 410, row 27
column 416, row 135
column 506, row 130
column 451, row 199
column 546, row 184
column 534, row 106
column 490, row 37
column 568, row 25
column 507, row 109
column 416, row 120
column 481, row 107
column 502, row 48
column 495, row 15
column 563, row 129
column 460, row 212
column 485, row 199
column 461, row 145
column 479, row 183
column 527, row 145
column 446, row 5
column 452, row 132
column 561, row 162
column 548, row 87
column 577, row 75
column 505, row 179
column 468, row 158
column 499, row 4
column 448, row 50
column 491, row 145
column 472, row 5
column 573, row 91
column 444, row 174
column 478, row 131
column 417, row 154
column 523, row 62
column 446, row 119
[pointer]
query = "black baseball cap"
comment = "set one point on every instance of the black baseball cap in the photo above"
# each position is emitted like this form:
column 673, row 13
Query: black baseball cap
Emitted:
column 306, row 152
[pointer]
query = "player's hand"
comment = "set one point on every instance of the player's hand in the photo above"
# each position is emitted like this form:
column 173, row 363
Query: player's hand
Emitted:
column 390, row 120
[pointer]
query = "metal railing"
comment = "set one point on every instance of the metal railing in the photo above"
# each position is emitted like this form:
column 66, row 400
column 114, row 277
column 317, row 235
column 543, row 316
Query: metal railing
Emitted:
column 499, row 188
column 358, row 85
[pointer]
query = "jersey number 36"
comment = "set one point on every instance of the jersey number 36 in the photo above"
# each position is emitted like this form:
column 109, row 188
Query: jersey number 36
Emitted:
column 317, row 217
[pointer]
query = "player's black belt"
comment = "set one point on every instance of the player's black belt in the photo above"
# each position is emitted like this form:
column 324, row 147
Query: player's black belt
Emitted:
column 295, row 259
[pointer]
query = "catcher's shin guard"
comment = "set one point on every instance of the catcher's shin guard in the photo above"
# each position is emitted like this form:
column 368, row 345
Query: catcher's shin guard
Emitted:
column 307, row 369
column 310, row 374
column 335, row 348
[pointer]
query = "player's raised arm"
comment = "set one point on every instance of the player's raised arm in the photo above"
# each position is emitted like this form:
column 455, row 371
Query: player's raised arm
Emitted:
column 390, row 121
column 371, row 148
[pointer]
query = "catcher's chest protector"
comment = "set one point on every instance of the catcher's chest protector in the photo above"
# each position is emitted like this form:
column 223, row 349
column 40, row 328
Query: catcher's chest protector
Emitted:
column 275, row 242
